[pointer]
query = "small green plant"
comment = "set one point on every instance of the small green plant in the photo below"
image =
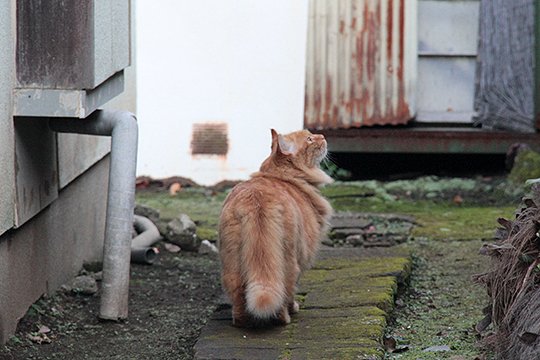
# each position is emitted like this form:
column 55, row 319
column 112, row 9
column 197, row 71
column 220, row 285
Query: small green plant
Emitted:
column 335, row 171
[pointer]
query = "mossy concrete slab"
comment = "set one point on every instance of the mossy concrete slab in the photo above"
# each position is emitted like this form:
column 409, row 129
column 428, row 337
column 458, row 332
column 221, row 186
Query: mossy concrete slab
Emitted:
column 344, row 303
column 333, row 353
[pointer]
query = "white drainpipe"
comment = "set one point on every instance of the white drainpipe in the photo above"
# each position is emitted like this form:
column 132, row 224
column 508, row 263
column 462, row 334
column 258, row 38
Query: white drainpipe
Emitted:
column 121, row 126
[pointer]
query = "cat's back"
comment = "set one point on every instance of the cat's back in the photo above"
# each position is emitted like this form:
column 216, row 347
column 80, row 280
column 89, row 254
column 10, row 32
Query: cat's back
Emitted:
column 259, row 193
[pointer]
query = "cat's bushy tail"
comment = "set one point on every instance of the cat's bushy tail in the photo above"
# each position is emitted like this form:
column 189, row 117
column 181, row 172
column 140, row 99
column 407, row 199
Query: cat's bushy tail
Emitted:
column 263, row 264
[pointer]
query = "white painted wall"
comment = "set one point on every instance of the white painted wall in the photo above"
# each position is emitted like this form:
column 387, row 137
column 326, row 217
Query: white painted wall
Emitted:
column 235, row 61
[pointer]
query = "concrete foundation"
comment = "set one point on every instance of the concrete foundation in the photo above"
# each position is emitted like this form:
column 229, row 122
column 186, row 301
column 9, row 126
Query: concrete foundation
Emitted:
column 49, row 249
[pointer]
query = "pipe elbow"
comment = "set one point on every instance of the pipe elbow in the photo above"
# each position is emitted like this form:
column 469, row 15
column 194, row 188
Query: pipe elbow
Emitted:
column 124, row 121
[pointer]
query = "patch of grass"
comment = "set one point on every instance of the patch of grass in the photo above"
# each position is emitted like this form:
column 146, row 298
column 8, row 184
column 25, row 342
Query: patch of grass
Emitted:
column 199, row 204
column 441, row 305
column 459, row 223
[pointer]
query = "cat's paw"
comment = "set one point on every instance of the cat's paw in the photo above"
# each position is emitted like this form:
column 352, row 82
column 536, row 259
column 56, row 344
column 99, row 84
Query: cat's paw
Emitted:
column 240, row 322
column 285, row 318
column 294, row 308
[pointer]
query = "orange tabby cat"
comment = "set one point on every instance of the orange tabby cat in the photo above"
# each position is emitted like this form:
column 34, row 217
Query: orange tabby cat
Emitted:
column 270, row 229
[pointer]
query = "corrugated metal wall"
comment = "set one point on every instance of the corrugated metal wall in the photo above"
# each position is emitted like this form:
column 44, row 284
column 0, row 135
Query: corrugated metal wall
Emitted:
column 360, row 55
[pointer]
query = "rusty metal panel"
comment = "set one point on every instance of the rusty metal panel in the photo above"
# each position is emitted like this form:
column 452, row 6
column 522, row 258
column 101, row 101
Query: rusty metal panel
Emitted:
column 361, row 58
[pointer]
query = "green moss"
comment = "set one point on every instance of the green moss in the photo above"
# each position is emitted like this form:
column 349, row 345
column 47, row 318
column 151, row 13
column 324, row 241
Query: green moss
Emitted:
column 339, row 189
column 205, row 233
column 343, row 353
column 378, row 291
column 369, row 266
column 339, row 283
column 380, row 297
column 351, row 312
column 437, row 220
column 526, row 166
column 443, row 304
column 300, row 298
column 459, row 223
column 285, row 355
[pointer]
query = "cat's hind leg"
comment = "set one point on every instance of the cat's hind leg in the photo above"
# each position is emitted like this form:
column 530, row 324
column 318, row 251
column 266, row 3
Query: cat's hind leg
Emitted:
column 235, row 288
column 294, row 308
column 283, row 317
column 290, row 288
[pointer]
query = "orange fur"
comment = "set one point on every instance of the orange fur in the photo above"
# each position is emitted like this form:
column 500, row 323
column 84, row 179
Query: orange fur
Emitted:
column 270, row 229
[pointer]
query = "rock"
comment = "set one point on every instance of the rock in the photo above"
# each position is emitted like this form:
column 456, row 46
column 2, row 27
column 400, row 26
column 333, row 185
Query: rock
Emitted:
column 327, row 241
column 83, row 284
column 92, row 267
column 342, row 234
column 97, row 275
column 355, row 240
column 147, row 212
column 39, row 338
column 346, row 220
column 172, row 248
column 208, row 248
column 181, row 231
column 437, row 348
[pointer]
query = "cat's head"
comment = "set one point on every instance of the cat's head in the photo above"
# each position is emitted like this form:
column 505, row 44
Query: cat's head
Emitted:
column 298, row 154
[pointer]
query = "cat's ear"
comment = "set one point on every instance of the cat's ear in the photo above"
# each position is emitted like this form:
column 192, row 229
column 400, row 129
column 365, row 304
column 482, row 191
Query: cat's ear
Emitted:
column 281, row 145
column 274, row 140
column 286, row 147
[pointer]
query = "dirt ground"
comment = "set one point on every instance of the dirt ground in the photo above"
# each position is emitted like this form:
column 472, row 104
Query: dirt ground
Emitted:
column 169, row 303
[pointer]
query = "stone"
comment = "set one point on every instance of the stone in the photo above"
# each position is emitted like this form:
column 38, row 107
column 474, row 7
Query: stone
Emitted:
column 172, row 248
column 342, row 234
column 208, row 248
column 349, row 220
column 98, row 276
column 181, row 231
column 345, row 299
column 84, row 284
column 355, row 240
column 148, row 212
column 437, row 348
column 327, row 241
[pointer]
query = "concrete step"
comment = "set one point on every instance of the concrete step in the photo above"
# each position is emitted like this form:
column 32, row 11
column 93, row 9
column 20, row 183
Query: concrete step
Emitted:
column 345, row 300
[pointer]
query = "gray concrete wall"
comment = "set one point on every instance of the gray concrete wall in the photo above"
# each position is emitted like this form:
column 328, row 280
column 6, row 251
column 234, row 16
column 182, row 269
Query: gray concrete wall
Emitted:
column 76, row 153
column 50, row 249
column 53, row 189
column 7, row 79
column 36, row 172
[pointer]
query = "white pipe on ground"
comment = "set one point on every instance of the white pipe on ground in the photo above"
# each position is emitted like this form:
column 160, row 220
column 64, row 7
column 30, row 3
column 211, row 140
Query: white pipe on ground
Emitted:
column 121, row 126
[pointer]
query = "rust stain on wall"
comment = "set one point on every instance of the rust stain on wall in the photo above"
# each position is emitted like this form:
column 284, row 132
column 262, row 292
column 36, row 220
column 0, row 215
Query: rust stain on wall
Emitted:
column 355, row 64
column 209, row 139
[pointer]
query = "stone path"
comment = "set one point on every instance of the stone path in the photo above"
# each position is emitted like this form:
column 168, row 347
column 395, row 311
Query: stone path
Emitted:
column 344, row 301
